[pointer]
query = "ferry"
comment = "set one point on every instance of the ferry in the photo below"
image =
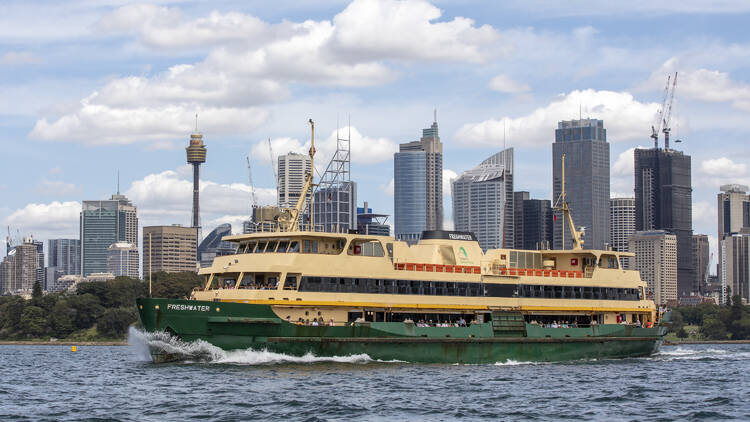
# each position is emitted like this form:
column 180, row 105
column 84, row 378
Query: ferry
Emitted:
column 299, row 291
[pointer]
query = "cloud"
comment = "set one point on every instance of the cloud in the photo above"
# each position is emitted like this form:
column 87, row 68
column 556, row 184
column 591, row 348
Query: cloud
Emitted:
column 98, row 124
column 504, row 83
column 249, row 63
column 624, row 118
column 55, row 219
column 448, row 176
column 57, row 188
column 405, row 30
column 704, row 213
column 19, row 58
column 388, row 187
column 723, row 166
column 55, row 170
column 702, row 84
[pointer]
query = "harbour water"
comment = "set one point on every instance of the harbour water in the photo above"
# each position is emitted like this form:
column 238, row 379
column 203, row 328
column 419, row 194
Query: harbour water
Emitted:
column 688, row 382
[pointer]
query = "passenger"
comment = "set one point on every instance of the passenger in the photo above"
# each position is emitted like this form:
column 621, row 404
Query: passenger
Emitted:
column 307, row 322
column 300, row 321
column 315, row 322
column 331, row 323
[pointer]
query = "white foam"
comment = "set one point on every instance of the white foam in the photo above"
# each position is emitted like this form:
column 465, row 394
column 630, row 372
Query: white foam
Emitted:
column 203, row 351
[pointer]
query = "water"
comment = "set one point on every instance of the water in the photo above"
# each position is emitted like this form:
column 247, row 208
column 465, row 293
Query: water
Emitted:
column 691, row 382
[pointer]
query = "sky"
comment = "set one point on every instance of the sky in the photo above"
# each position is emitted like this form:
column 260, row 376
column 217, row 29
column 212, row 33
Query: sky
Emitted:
column 90, row 88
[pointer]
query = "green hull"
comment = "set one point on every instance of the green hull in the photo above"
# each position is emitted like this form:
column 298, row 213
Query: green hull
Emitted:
column 233, row 326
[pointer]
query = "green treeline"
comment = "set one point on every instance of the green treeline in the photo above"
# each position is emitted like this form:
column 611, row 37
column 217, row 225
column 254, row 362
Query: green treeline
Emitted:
column 95, row 311
column 715, row 322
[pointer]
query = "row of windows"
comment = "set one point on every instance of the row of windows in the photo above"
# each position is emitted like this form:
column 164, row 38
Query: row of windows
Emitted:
column 448, row 288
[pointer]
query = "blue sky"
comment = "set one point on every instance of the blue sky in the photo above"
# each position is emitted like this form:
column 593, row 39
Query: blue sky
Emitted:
column 92, row 87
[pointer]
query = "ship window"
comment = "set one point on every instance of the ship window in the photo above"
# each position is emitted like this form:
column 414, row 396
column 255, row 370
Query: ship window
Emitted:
column 250, row 247
column 389, row 247
column 261, row 247
column 291, row 282
column 293, row 247
column 283, row 245
column 271, row 246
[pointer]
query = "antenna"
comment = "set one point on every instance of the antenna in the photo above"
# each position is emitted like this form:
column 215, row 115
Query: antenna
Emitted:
column 196, row 122
column 504, row 120
column 118, row 181
column 435, row 115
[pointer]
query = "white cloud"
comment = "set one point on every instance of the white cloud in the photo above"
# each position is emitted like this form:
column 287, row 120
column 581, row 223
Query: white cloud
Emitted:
column 388, row 187
column 19, row 58
column 55, row 219
column 448, row 176
column 57, row 188
column 101, row 124
column 704, row 213
column 723, row 167
column 504, row 83
column 406, row 30
column 250, row 63
column 702, row 84
column 624, row 118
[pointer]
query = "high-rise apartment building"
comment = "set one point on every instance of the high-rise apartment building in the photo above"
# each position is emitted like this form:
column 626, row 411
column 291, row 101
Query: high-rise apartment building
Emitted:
column 584, row 144
column 65, row 255
column 169, row 248
column 621, row 225
column 39, row 260
column 656, row 259
column 103, row 223
column 483, row 201
column 733, row 212
column 663, row 201
column 701, row 256
column 122, row 259
column 293, row 169
column 735, row 265
column 18, row 271
column 532, row 222
column 418, row 186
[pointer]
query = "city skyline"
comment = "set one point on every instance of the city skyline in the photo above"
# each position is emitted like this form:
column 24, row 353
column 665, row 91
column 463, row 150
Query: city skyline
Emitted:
column 383, row 85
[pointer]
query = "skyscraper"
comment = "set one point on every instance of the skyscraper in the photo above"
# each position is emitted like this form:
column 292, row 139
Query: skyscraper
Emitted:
column 293, row 169
column 18, row 271
column 622, row 225
column 701, row 256
column 656, row 260
column 39, row 260
column 196, row 155
column 584, row 143
column 532, row 222
column 418, row 186
column 735, row 265
column 733, row 212
column 65, row 255
column 103, row 223
column 663, row 201
column 122, row 259
column 483, row 201
column 169, row 249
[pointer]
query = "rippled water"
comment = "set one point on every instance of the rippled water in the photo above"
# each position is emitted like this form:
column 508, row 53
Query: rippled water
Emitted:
column 695, row 382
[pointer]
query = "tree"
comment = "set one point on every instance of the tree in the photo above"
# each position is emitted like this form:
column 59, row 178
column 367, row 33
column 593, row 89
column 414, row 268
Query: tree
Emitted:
column 61, row 319
column 10, row 316
column 87, row 310
column 36, row 291
column 34, row 321
column 713, row 328
column 174, row 285
column 681, row 333
column 676, row 323
column 115, row 322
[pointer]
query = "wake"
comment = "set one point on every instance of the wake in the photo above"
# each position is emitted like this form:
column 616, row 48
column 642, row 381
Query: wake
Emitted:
column 201, row 351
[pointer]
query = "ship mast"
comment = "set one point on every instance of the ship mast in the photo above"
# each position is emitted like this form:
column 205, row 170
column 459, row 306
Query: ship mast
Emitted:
column 289, row 218
column 562, row 205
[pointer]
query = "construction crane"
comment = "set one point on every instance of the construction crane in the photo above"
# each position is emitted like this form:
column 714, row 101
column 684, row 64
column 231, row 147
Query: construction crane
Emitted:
column 250, row 179
column 656, row 127
column 666, row 129
column 270, row 157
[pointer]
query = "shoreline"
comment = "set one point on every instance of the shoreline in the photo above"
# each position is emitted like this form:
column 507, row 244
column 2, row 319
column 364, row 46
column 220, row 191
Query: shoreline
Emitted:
column 61, row 343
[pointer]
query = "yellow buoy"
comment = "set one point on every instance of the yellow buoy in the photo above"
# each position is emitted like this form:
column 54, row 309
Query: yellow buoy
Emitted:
column 73, row 349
